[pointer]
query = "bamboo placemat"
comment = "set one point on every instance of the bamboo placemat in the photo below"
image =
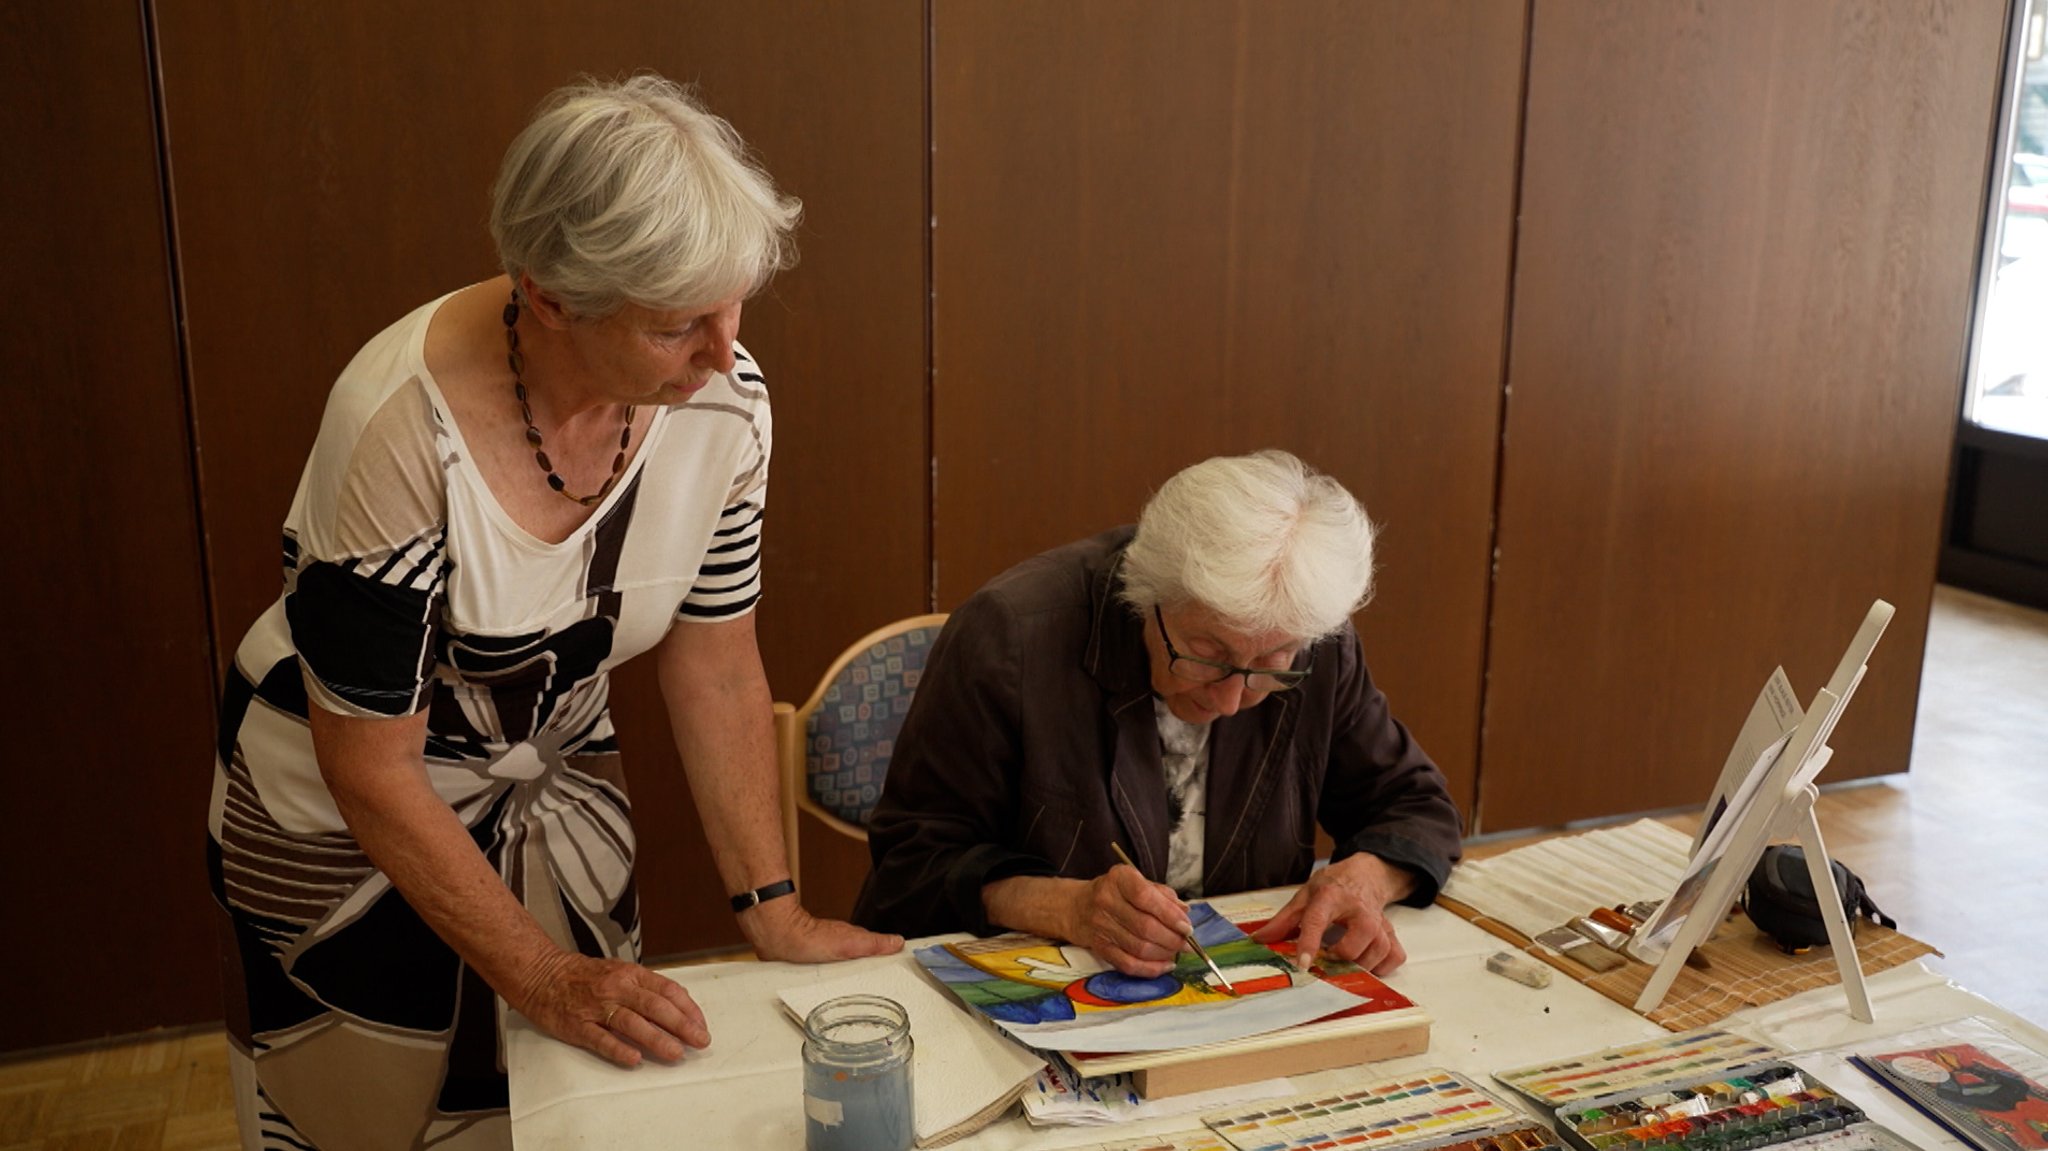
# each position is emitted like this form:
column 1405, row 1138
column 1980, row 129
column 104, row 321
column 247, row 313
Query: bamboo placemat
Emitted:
column 1746, row 968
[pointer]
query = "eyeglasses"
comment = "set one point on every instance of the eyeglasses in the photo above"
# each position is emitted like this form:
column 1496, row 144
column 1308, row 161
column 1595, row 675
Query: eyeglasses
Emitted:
column 1259, row 679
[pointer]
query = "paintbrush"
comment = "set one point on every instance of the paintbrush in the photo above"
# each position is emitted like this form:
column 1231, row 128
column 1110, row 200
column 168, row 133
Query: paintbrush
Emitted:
column 1194, row 945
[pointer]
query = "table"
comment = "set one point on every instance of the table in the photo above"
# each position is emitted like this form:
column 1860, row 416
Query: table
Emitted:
column 746, row 1089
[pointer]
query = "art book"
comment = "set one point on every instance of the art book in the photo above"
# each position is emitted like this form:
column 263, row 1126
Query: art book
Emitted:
column 1971, row 1088
column 1059, row 997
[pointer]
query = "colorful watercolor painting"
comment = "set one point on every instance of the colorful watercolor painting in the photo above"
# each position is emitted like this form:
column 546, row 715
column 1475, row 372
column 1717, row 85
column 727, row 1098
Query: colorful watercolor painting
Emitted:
column 1059, row 996
column 1375, row 996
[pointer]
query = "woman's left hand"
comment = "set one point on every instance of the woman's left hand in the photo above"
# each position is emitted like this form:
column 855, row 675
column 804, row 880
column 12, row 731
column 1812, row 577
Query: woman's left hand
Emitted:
column 1350, row 895
column 782, row 929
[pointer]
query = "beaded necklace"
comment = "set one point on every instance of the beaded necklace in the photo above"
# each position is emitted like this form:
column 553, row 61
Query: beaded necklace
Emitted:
column 517, row 362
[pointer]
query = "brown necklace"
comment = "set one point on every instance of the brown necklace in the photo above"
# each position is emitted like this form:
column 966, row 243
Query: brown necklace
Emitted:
column 517, row 362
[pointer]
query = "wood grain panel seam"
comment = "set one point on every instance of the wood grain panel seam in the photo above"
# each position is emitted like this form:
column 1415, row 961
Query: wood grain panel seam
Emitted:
column 931, row 322
column 1474, row 818
column 167, row 208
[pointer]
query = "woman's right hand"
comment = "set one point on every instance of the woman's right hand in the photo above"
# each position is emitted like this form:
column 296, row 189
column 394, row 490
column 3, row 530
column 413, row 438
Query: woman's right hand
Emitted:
column 1128, row 921
column 611, row 1007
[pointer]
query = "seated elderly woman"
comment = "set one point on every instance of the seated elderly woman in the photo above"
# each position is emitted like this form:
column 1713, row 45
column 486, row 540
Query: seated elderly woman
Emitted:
column 1191, row 689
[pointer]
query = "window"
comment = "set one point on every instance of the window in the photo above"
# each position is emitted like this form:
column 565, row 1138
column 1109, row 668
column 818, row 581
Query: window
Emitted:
column 2008, row 389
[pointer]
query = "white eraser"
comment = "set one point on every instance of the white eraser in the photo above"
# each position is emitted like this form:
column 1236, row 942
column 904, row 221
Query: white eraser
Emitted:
column 1519, row 968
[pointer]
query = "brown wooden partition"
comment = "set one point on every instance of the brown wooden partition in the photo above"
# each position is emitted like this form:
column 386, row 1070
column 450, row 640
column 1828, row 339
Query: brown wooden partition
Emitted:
column 103, row 829
column 1083, row 245
column 1167, row 231
column 1748, row 239
column 332, row 166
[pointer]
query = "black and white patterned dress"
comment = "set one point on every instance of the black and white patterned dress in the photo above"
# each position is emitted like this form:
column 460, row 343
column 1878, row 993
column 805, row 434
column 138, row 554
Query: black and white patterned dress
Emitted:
column 408, row 587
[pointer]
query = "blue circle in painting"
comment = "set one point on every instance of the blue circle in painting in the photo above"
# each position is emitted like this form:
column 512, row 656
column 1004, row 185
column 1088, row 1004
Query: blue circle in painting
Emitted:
column 1054, row 1008
column 1116, row 987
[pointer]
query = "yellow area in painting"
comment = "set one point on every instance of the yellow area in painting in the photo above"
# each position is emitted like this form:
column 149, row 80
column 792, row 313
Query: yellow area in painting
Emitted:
column 1046, row 964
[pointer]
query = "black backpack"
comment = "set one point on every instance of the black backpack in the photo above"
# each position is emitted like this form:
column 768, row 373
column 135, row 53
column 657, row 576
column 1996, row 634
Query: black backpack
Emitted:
column 1780, row 900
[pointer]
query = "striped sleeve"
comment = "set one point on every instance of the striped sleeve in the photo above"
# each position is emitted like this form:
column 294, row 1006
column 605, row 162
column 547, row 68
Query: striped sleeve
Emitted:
column 729, row 582
column 371, row 552
column 364, row 626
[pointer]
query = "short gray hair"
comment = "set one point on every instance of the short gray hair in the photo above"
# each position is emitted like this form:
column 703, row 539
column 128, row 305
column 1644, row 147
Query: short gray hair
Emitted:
column 1264, row 541
column 630, row 191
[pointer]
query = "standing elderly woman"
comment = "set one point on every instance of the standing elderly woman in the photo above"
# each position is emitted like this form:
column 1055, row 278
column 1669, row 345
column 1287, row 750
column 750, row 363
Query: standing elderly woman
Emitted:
column 1192, row 689
column 419, row 811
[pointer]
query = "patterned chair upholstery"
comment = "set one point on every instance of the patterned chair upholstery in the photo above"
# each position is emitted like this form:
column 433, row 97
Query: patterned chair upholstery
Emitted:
column 835, row 749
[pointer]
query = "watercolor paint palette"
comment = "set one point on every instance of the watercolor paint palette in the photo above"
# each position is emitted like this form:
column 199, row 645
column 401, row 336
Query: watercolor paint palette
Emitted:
column 1617, row 1069
column 1738, row 1109
column 1424, row 1106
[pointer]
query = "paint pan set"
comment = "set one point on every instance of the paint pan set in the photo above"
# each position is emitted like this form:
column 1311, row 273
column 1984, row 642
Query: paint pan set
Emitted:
column 1433, row 1110
column 1761, row 1105
column 1699, row 1091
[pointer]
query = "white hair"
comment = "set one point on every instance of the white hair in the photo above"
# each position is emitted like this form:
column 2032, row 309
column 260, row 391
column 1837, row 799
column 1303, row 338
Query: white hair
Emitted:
column 1264, row 541
column 631, row 192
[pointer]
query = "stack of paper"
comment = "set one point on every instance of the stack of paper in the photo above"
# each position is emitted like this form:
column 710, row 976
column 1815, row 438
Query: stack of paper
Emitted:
column 1060, row 1098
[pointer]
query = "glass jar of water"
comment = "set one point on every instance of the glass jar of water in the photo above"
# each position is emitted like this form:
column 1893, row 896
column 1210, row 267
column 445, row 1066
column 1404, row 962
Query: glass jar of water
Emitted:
column 857, row 1076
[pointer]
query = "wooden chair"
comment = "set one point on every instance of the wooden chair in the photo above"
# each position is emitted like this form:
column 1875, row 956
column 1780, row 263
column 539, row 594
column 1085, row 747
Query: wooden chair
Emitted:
column 834, row 750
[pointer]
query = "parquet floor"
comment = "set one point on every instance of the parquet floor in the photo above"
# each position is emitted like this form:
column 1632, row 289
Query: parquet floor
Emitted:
column 166, row 1090
column 1954, row 850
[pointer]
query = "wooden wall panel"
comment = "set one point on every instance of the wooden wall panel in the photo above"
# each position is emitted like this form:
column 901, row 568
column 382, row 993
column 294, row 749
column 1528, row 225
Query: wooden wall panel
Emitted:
column 1747, row 247
column 332, row 164
column 1165, row 231
column 102, row 834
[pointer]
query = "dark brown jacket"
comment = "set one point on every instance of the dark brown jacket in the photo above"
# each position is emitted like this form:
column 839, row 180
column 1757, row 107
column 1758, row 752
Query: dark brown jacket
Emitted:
column 1031, row 745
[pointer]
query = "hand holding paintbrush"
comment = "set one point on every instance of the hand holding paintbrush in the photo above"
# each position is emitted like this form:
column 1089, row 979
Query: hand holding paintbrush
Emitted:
column 1194, row 944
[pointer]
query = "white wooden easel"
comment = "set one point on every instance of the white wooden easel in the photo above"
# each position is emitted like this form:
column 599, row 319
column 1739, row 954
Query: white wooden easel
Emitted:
column 1780, row 808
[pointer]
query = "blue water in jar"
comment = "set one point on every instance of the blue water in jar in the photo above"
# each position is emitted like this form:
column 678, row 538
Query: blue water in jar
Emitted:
column 857, row 1088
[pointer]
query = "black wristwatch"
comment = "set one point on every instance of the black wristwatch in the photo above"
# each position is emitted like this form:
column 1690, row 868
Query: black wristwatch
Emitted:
column 747, row 899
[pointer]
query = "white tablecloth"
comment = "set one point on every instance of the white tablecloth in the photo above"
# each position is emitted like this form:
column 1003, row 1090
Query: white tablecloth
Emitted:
column 746, row 1089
